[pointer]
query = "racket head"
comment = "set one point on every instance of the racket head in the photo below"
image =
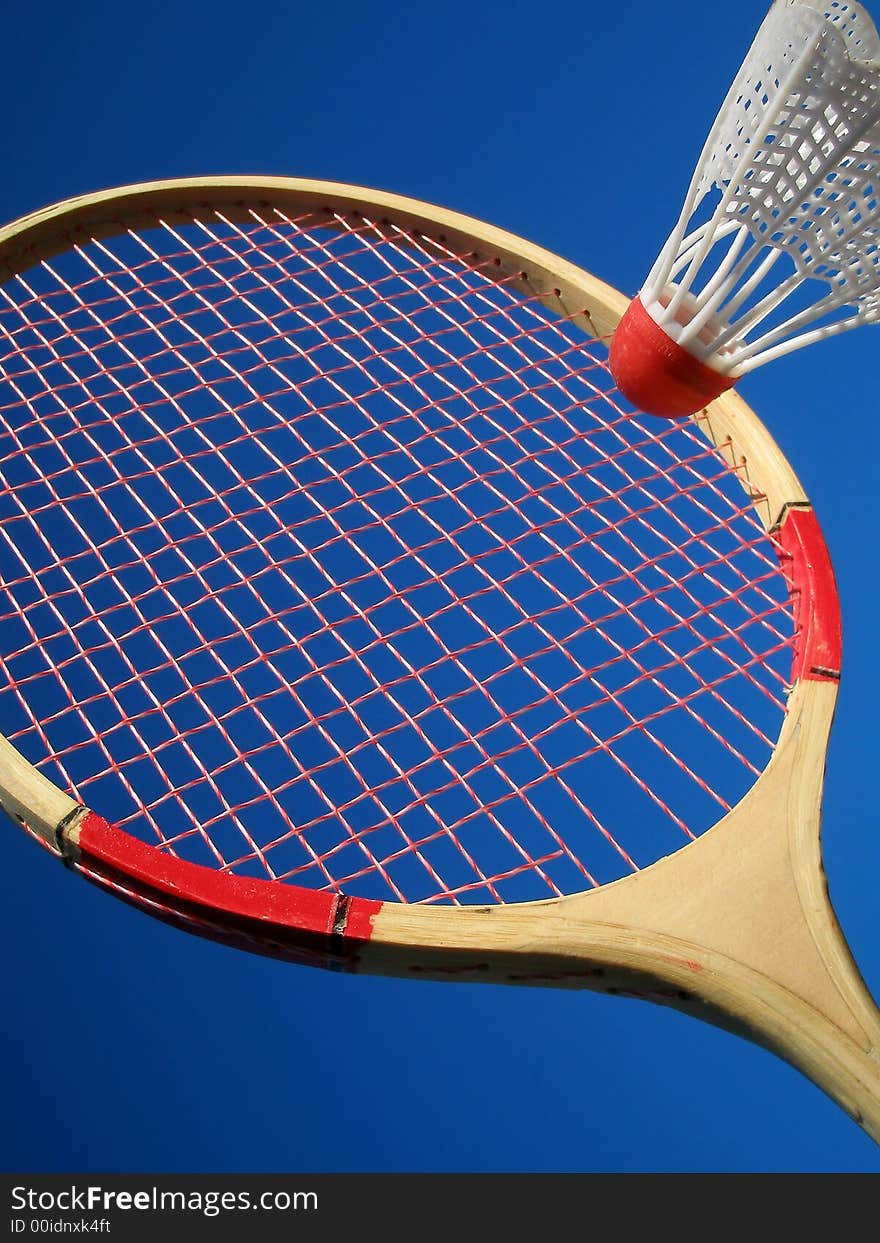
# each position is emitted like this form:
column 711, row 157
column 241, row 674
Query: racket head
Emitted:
column 467, row 279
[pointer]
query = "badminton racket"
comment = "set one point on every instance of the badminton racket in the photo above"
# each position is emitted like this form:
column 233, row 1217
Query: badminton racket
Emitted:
column 349, row 615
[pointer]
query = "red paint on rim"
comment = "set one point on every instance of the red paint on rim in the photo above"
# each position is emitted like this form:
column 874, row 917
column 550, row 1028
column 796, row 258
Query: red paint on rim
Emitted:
column 817, row 654
column 314, row 926
column 271, row 916
column 657, row 374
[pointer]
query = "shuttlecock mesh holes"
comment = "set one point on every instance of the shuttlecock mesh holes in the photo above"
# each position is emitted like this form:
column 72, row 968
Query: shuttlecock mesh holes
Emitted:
column 793, row 159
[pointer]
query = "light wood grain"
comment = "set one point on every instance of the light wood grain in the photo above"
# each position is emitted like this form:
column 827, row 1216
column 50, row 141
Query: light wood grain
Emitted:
column 734, row 928
column 563, row 286
column 30, row 798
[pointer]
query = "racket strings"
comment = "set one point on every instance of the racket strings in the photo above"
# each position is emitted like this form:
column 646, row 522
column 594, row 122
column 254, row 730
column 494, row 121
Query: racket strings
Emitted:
column 326, row 557
column 265, row 792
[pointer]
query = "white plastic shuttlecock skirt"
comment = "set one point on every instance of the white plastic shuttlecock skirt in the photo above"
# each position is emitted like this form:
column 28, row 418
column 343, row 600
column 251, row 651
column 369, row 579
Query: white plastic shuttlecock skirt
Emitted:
column 790, row 251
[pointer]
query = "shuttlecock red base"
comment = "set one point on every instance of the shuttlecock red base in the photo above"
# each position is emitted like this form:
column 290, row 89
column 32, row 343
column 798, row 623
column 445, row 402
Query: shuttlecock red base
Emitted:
column 657, row 374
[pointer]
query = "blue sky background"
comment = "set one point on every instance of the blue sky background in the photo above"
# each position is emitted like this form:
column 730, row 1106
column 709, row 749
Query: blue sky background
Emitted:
column 127, row 1046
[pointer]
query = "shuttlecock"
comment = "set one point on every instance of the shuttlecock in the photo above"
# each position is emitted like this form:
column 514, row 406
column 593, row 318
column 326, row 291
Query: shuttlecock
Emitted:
column 790, row 252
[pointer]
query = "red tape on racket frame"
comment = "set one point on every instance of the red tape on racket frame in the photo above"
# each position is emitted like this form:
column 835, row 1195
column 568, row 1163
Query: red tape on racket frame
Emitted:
column 807, row 564
column 322, row 928
column 273, row 918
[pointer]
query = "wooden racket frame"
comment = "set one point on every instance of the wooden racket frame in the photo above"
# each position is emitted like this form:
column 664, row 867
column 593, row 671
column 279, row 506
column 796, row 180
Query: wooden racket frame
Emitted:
column 735, row 928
